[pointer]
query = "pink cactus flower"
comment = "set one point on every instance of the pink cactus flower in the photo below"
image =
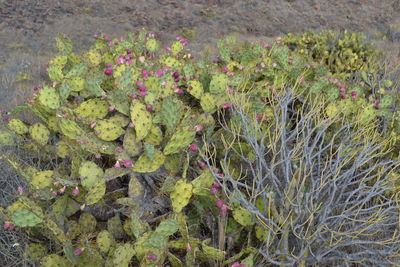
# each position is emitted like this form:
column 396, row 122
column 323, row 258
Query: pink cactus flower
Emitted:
column 78, row 251
column 108, row 71
column 202, row 164
column 20, row 190
column 227, row 105
column 152, row 257
column 214, row 190
column 219, row 203
column 117, row 165
column 75, row 192
column 127, row 163
column 145, row 73
column 198, row 127
column 62, row 189
column 377, row 101
column 193, row 147
column 257, row 70
column 235, row 264
column 159, row 73
column 110, row 44
column 120, row 60
column 143, row 88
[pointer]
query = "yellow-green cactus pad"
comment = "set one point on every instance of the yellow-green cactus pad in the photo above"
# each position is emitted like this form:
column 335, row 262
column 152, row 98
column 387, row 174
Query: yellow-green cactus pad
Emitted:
column 205, row 180
column 76, row 84
column 123, row 254
column 54, row 260
column 93, row 109
column 49, row 97
column 120, row 120
column 243, row 216
column 17, row 126
column 39, row 133
column 108, row 130
column 176, row 47
column 196, row 89
column 152, row 45
column 144, row 164
column 208, row 103
column 179, row 140
column 104, row 241
column 131, row 145
column 93, row 57
column 181, row 195
column 155, row 136
column 6, row 138
column 95, row 193
column 42, row 179
column 212, row 253
column 141, row 118
column 219, row 83
column 90, row 174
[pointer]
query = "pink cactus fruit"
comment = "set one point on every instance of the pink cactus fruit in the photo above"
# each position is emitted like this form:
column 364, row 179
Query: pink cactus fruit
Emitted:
column 78, row 251
column 6, row 225
column 75, row 192
column 214, row 190
column 219, row 203
column 202, row 164
column 152, row 257
column 193, row 147
column 117, row 165
column 20, row 190
column 127, row 163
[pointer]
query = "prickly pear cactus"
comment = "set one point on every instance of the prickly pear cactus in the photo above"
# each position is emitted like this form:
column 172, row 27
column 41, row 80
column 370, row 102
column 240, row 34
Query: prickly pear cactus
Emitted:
column 181, row 195
column 145, row 164
column 176, row 47
column 212, row 253
column 114, row 226
column 108, row 130
column 54, row 260
column 96, row 193
column 26, row 218
column 87, row 222
column 93, row 109
column 123, row 254
column 181, row 139
column 42, row 179
column 49, row 98
column 39, row 133
column 104, row 241
column 90, row 174
column 17, row 126
column 208, row 103
column 243, row 216
column 219, row 83
column 195, row 89
column 141, row 118
column 152, row 45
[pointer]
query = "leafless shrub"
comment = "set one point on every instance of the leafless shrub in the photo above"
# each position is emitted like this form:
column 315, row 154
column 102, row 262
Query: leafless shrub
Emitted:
column 327, row 196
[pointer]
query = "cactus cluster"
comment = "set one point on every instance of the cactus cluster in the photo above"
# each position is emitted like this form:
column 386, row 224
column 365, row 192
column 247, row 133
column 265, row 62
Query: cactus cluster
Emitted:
column 126, row 113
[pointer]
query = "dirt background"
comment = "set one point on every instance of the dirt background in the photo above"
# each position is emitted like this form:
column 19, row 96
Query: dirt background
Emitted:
column 28, row 27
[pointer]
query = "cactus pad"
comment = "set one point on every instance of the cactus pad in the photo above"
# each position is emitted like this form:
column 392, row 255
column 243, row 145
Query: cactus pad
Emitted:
column 108, row 130
column 104, row 241
column 141, row 118
column 176, row 47
column 243, row 216
column 155, row 136
column 144, row 164
column 197, row 89
column 93, row 109
column 93, row 57
column 87, row 222
column 25, row 218
column 114, row 226
column 212, row 253
column 49, row 97
column 219, row 83
column 131, row 145
column 167, row 228
column 96, row 193
column 171, row 111
column 70, row 129
column 123, row 255
column 42, row 179
column 90, row 174
column 181, row 195
column 39, row 133
column 179, row 140
column 208, row 103
column 54, row 260
column 152, row 45
column 17, row 126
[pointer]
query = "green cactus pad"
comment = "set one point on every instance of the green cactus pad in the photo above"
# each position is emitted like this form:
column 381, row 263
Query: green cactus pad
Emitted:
column 171, row 111
column 7, row 138
column 77, row 70
column 176, row 47
column 152, row 45
column 212, row 253
column 76, row 84
column 131, row 145
column 35, row 252
column 114, row 226
column 120, row 120
column 108, row 130
column 167, row 228
column 141, row 118
column 219, row 83
column 93, row 109
column 17, row 126
column 243, row 216
column 70, row 129
column 197, row 89
column 96, row 193
column 155, row 136
column 208, row 103
column 49, row 97
column 54, row 260
column 180, row 140
column 181, row 195
column 332, row 110
column 87, row 222
column 42, row 179
column 261, row 233
column 205, row 180
column 25, row 218
column 144, row 164
column 171, row 62
column 55, row 73
column 173, row 163
column 39, row 133
column 104, row 241
column 123, row 254
column 93, row 57
column 90, row 174
column 63, row 149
